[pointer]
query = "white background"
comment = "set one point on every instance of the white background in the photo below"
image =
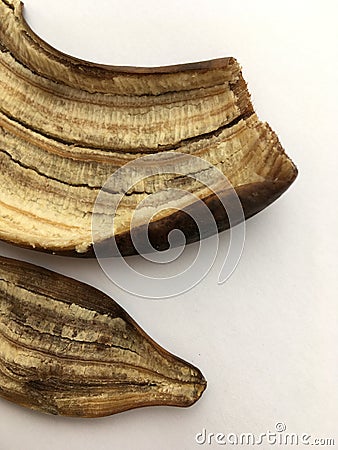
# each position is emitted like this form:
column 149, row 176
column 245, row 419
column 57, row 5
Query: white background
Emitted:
column 266, row 340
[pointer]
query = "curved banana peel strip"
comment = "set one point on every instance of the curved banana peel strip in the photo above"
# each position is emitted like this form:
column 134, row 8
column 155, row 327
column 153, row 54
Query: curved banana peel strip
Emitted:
column 66, row 125
column 67, row 348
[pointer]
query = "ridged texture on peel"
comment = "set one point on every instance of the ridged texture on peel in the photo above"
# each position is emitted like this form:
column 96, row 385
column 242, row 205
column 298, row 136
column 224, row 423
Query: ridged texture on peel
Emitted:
column 66, row 125
column 66, row 348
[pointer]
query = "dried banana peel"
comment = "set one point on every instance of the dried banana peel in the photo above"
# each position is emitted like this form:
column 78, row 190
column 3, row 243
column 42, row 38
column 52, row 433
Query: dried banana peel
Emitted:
column 66, row 348
column 66, row 125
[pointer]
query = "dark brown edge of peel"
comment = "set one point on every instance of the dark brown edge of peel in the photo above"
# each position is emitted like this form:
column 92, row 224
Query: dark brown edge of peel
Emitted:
column 254, row 197
column 217, row 63
column 22, row 401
